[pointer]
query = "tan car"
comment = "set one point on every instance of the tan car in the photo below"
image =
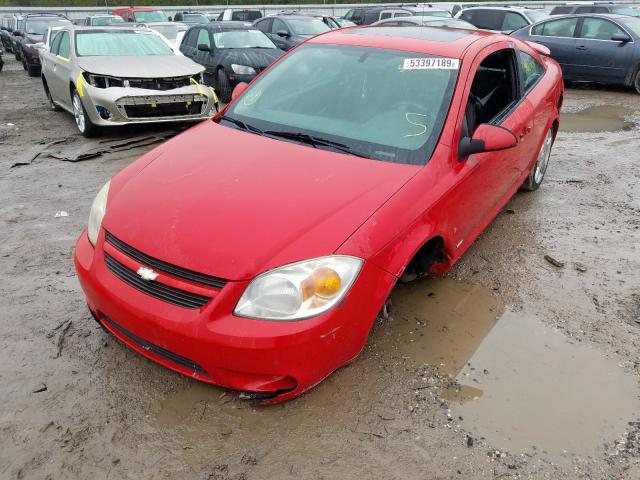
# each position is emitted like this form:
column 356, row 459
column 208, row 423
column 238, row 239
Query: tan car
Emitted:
column 109, row 76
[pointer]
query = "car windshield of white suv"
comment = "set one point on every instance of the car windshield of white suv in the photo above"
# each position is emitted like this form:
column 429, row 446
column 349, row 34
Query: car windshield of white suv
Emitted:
column 113, row 44
column 151, row 16
column 338, row 98
column 39, row 26
column 242, row 39
column 308, row 27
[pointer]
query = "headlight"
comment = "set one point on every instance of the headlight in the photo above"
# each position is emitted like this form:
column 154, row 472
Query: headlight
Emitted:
column 98, row 207
column 242, row 69
column 299, row 290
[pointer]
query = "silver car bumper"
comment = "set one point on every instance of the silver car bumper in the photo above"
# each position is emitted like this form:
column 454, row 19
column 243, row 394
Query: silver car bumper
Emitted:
column 119, row 105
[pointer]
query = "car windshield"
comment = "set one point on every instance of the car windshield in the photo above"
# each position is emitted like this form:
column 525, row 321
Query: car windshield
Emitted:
column 39, row 26
column 151, row 16
column 307, row 26
column 195, row 18
column 537, row 16
column 242, row 39
column 246, row 15
column 125, row 43
column 632, row 12
column 340, row 96
column 633, row 24
column 102, row 21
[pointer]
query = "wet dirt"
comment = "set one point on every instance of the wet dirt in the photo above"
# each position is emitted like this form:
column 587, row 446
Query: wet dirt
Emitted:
column 405, row 408
column 601, row 118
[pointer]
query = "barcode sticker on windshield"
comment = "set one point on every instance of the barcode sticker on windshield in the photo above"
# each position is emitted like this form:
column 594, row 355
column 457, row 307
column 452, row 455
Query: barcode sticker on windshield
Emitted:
column 431, row 64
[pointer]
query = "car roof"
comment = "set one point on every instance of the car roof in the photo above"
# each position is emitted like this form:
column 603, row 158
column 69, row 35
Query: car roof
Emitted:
column 422, row 39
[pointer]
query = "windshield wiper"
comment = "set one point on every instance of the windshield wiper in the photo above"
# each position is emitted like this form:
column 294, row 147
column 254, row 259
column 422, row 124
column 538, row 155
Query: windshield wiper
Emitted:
column 241, row 124
column 314, row 141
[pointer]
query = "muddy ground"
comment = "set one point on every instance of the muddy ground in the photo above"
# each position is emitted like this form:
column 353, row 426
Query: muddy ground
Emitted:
column 510, row 367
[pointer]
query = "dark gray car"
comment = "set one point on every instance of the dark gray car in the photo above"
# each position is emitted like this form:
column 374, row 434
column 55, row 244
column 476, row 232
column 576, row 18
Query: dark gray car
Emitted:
column 602, row 48
column 286, row 31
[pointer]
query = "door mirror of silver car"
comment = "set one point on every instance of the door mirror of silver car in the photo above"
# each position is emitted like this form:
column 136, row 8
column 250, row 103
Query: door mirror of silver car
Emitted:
column 486, row 138
column 203, row 47
column 282, row 33
column 621, row 37
column 237, row 91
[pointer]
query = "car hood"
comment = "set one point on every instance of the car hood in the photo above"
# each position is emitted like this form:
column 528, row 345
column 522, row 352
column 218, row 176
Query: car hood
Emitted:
column 149, row 66
column 232, row 204
column 252, row 57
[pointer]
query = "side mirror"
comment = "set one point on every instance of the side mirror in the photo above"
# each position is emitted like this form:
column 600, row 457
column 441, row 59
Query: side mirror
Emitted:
column 487, row 138
column 203, row 47
column 282, row 33
column 621, row 37
column 239, row 88
column 171, row 19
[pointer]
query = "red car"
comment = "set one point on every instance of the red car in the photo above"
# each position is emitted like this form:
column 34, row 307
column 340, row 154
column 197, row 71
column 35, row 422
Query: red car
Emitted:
column 255, row 250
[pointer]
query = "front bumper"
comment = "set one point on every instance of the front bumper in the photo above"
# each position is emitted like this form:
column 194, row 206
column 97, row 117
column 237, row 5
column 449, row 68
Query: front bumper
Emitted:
column 119, row 105
column 280, row 360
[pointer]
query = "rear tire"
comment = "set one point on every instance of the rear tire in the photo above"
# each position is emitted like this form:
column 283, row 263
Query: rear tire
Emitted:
column 224, row 87
column 538, row 171
column 83, row 122
column 636, row 81
column 24, row 63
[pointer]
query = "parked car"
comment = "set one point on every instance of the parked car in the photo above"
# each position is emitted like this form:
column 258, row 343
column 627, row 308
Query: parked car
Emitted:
column 172, row 31
column 34, row 28
column 286, row 31
column 328, row 20
column 615, row 9
column 15, row 39
column 599, row 48
column 102, row 20
column 141, row 14
column 1, row 61
column 256, row 250
column 114, row 76
column 212, row 16
column 369, row 15
column 343, row 22
column 501, row 19
column 7, row 25
column 426, row 21
column 231, row 53
column 190, row 18
column 239, row 15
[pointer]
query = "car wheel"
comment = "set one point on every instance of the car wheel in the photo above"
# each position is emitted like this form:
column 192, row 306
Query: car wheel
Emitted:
column 52, row 104
column 224, row 87
column 83, row 122
column 636, row 81
column 33, row 70
column 24, row 63
column 16, row 54
column 536, row 175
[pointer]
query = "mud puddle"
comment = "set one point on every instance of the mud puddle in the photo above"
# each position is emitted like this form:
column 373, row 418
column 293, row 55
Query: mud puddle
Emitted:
column 519, row 384
column 602, row 118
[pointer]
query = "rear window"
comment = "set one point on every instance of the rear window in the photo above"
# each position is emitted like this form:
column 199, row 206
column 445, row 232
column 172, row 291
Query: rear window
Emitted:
column 561, row 10
column 38, row 26
column 125, row 43
column 246, row 15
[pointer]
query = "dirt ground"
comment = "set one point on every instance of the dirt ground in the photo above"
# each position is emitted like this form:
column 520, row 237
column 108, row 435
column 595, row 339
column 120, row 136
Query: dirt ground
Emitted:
column 510, row 367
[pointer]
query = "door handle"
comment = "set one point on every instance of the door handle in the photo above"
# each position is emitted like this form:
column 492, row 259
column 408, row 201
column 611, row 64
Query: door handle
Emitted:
column 581, row 47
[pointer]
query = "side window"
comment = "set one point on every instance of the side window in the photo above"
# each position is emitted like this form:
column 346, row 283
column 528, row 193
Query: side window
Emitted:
column 278, row 26
column 531, row 69
column 221, row 17
column 385, row 15
column 598, row 29
column 401, row 14
column 513, row 21
column 565, row 27
column 203, row 37
column 264, row 25
column 65, row 46
column 487, row 19
column 55, row 44
column 493, row 91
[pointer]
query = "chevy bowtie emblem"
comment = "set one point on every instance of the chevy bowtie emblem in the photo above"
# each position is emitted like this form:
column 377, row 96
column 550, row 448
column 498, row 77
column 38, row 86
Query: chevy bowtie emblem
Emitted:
column 147, row 274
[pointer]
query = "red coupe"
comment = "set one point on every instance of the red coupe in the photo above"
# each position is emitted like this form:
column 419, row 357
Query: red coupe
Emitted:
column 255, row 250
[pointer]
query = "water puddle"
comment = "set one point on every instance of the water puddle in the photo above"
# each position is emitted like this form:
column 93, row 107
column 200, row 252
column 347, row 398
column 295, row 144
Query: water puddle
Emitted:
column 520, row 384
column 603, row 118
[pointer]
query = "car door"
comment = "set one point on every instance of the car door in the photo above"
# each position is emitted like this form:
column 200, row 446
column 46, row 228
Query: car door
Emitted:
column 62, row 69
column 485, row 181
column 54, row 81
column 558, row 36
column 280, row 34
column 598, row 57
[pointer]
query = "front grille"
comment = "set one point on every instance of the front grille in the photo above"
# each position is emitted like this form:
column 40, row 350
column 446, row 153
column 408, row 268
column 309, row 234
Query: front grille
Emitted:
column 174, row 109
column 173, row 295
column 173, row 270
column 161, row 352
column 160, row 83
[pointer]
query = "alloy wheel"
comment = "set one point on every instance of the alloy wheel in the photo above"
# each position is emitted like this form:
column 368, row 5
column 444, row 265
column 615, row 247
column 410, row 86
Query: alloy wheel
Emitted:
column 543, row 158
column 78, row 113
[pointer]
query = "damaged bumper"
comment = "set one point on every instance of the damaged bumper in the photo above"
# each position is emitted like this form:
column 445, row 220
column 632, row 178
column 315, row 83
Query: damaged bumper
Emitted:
column 121, row 105
column 272, row 361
